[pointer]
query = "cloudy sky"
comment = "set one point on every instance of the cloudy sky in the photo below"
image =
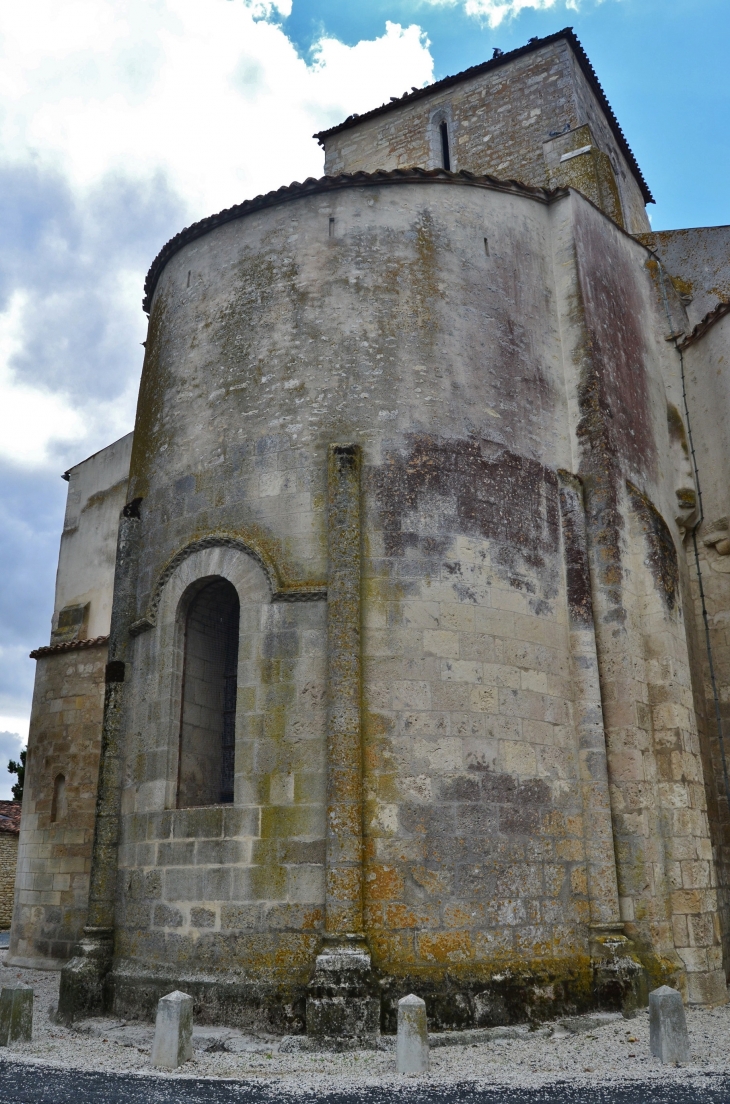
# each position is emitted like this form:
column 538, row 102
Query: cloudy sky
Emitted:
column 123, row 120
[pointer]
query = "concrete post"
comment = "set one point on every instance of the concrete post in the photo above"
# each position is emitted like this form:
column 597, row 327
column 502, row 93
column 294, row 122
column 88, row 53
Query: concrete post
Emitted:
column 173, row 1042
column 412, row 1041
column 16, row 1014
column 342, row 1004
column 83, row 989
column 668, row 1038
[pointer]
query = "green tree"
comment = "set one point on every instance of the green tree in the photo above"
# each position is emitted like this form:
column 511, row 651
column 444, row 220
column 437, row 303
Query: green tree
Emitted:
column 19, row 769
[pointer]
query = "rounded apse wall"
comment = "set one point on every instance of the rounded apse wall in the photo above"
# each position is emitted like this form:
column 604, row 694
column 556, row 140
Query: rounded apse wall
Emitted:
column 415, row 319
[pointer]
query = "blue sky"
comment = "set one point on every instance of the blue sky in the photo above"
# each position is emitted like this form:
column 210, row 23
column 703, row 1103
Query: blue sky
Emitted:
column 123, row 120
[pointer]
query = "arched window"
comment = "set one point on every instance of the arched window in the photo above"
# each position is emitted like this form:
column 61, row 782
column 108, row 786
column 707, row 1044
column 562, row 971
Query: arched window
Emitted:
column 208, row 726
column 58, row 804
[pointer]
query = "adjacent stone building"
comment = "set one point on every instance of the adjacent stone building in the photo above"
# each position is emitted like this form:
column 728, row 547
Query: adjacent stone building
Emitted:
column 416, row 668
column 9, row 830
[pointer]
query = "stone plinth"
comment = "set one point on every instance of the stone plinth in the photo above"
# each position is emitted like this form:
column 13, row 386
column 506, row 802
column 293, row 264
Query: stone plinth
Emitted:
column 343, row 1008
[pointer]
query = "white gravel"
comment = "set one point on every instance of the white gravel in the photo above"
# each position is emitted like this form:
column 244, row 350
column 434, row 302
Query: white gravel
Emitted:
column 598, row 1049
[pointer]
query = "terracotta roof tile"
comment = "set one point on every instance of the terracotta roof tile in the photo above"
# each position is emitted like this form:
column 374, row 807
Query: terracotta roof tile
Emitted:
column 10, row 817
column 71, row 646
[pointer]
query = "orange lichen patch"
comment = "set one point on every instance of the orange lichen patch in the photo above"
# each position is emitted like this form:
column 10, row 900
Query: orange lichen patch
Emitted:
column 312, row 918
column 462, row 915
column 579, row 881
column 383, row 883
column 455, row 946
column 343, row 883
column 376, row 724
column 432, row 881
column 572, row 850
column 393, row 917
column 392, row 949
column 683, row 286
column 574, row 826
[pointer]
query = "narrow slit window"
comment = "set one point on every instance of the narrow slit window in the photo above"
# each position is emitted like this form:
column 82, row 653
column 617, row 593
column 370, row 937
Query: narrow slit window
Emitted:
column 208, row 726
column 58, row 804
column 332, row 227
column 445, row 155
column 486, row 246
column 188, row 279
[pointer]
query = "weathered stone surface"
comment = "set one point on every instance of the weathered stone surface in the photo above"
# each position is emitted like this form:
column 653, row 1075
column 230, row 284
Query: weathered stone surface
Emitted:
column 62, row 768
column 343, row 1005
column 502, row 122
column 412, row 1042
column 476, row 760
column 668, row 1038
column 16, row 1014
column 173, row 1042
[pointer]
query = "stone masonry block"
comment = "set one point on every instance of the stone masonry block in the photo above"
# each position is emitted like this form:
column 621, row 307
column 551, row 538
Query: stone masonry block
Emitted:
column 668, row 1038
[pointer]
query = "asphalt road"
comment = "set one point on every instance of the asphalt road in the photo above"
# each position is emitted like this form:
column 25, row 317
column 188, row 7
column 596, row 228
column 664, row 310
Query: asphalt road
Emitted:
column 22, row 1084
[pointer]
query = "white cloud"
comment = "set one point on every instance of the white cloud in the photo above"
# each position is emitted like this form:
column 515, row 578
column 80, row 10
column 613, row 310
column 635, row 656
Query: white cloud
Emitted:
column 31, row 416
column 495, row 12
column 204, row 102
column 217, row 99
column 120, row 122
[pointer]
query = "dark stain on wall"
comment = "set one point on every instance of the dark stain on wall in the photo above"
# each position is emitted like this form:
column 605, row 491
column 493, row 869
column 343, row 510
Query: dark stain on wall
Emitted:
column 615, row 430
column 662, row 555
column 614, row 307
column 578, row 580
column 438, row 488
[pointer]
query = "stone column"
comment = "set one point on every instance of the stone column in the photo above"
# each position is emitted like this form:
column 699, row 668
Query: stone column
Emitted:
column 341, row 1002
column 84, row 986
column 592, row 760
column 617, row 973
column 344, row 743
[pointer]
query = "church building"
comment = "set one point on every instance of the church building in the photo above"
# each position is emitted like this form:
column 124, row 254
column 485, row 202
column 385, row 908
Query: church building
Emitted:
column 391, row 651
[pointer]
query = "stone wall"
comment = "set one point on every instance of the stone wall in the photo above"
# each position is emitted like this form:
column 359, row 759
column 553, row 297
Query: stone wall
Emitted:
column 54, row 856
column 8, row 862
column 61, row 771
column 96, row 493
column 501, row 122
column 706, row 371
column 698, row 263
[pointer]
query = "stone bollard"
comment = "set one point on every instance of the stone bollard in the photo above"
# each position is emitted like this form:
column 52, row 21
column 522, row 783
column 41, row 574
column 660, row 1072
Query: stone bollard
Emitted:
column 16, row 1014
column 412, row 1043
column 668, row 1038
column 173, row 1043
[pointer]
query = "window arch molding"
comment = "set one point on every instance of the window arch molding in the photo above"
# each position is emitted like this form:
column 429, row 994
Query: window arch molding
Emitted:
column 442, row 117
column 158, row 660
column 282, row 587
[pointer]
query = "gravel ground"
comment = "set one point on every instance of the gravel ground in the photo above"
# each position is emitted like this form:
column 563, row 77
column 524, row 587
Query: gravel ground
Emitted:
column 586, row 1050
